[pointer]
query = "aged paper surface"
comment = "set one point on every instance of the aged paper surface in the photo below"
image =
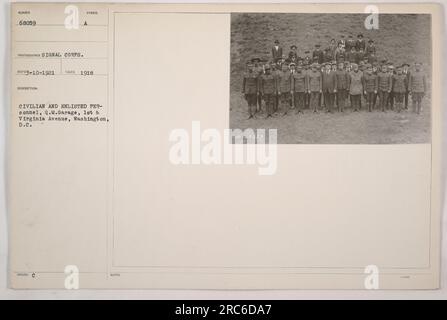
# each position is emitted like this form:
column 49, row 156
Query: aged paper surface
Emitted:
column 93, row 188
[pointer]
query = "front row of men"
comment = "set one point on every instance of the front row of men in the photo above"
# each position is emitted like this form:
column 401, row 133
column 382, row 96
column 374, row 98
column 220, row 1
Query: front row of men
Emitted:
column 331, row 85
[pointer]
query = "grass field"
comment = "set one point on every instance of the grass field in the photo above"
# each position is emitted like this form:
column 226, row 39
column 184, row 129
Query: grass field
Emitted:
column 400, row 38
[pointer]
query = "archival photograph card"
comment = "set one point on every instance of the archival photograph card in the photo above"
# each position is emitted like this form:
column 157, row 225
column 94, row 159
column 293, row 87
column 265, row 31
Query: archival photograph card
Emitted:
column 225, row 146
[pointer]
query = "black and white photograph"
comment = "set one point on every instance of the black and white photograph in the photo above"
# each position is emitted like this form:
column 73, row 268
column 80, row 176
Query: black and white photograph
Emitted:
column 329, row 78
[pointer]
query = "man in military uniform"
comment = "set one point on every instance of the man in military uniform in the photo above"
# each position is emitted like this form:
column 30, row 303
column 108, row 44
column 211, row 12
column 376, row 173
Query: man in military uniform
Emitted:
column 307, row 59
column 361, row 56
column 384, row 86
column 371, row 58
column 375, row 71
column 399, row 88
column 407, row 73
column 360, row 43
column 250, row 89
column 342, row 86
column 371, row 48
column 351, row 56
column 318, row 55
column 391, row 72
column 349, row 43
column 340, row 54
column 284, row 86
column 258, row 69
column 315, row 86
column 370, row 85
column 417, row 87
column 268, row 90
column 306, row 71
column 299, row 88
column 327, row 55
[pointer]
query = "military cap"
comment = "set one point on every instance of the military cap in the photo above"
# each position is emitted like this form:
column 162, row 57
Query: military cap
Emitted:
column 360, row 35
column 342, row 36
column 293, row 46
column 255, row 60
column 405, row 64
column 307, row 51
column 350, row 36
column 384, row 61
column 370, row 41
column 276, row 41
column 317, row 45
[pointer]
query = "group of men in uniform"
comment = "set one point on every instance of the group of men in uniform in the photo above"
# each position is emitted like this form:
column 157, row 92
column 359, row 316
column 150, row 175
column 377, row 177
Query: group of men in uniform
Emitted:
column 347, row 71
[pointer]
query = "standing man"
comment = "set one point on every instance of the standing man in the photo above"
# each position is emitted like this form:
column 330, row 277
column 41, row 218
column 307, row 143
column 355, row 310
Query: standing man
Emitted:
column 352, row 56
column 250, row 89
column 277, row 71
column 360, row 43
column 407, row 73
column 375, row 72
column 307, row 59
column 318, row 55
column 355, row 87
column 276, row 51
column 258, row 69
column 360, row 56
column 371, row 48
column 340, row 54
column 315, row 87
column 370, row 86
column 299, row 88
column 332, row 47
column 391, row 94
column 284, row 85
column 372, row 59
column 399, row 88
column 350, row 43
column 328, row 56
column 268, row 90
column 329, row 87
column 384, row 87
column 342, row 86
column 293, row 54
column 418, row 87
column 341, row 42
